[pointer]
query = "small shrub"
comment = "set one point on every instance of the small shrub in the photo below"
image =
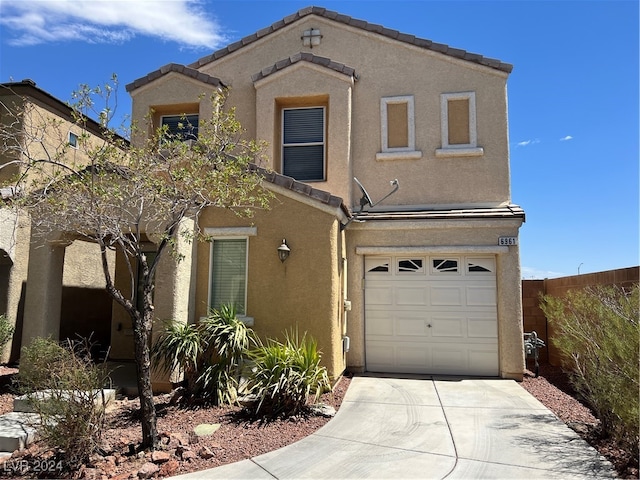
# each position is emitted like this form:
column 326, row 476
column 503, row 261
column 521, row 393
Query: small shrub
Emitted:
column 285, row 374
column 6, row 331
column 597, row 333
column 71, row 416
column 208, row 353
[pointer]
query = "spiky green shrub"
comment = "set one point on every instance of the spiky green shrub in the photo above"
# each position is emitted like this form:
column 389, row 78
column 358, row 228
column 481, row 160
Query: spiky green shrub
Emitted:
column 208, row 353
column 597, row 333
column 71, row 414
column 6, row 331
column 285, row 375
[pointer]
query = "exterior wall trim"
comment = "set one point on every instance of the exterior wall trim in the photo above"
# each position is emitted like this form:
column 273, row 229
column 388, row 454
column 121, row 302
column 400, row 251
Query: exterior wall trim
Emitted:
column 465, row 249
column 231, row 231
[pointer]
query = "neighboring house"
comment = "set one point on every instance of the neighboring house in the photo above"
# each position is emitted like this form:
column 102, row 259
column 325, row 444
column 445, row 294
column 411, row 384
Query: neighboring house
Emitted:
column 426, row 281
column 36, row 124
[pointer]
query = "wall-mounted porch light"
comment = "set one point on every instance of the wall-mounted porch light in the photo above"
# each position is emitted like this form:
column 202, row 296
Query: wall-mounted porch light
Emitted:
column 311, row 38
column 283, row 251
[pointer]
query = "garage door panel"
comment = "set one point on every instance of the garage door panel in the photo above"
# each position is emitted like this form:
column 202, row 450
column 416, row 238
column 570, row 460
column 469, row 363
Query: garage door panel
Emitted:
column 411, row 295
column 382, row 295
column 484, row 362
column 380, row 354
column 410, row 324
column 447, row 326
column 412, row 357
column 481, row 295
column 446, row 360
column 378, row 323
column 482, row 327
column 451, row 295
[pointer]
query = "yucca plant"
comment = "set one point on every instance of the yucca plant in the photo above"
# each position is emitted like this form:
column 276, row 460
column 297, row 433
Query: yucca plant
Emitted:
column 179, row 348
column 284, row 375
column 227, row 339
column 208, row 353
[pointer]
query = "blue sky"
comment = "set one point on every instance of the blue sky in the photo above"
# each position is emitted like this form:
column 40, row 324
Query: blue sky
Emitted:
column 573, row 93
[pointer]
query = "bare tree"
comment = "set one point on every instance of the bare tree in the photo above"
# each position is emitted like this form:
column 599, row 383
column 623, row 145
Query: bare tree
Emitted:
column 122, row 195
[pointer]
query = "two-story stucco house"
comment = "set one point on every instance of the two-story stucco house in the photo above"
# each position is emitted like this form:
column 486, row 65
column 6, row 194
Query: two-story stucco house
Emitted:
column 424, row 281
column 420, row 273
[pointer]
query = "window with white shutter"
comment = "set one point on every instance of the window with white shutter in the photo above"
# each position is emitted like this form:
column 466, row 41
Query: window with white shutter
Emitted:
column 229, row 274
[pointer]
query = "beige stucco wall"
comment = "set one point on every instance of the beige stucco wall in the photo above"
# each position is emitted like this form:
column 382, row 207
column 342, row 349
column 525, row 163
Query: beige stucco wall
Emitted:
column 450, row 237
column 384, row 68
column 304, row 292
column 15, row 231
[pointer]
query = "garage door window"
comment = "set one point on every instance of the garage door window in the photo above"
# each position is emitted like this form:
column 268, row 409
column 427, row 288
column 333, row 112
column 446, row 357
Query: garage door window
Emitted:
column 374, row 265
column 480, row 265
column 413, row 265
column 445, row 265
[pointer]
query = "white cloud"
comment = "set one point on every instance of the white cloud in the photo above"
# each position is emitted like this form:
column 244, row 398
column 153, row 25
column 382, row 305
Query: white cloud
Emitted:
column 32, row 22
column 531, row 273
column 526, row 143
column 568, row 137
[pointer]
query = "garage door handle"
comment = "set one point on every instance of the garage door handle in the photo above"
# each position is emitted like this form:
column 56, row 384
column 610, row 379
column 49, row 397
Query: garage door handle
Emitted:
column 429, row 325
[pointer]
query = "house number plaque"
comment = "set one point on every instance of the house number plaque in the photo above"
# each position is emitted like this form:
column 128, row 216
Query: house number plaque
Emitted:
column 507, row 240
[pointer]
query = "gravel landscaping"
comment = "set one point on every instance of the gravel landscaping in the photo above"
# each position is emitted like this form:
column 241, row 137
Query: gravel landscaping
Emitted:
column 238, row 438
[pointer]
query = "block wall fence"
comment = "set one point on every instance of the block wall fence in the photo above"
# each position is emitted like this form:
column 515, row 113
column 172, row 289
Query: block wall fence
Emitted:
column 532, row 290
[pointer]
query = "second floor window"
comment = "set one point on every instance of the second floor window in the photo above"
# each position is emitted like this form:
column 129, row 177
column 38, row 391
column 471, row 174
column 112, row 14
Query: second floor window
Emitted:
column 181, row 127
column 303, row 143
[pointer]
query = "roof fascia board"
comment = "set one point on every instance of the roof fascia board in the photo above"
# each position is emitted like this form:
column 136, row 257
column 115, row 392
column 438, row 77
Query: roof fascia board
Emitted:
column 433, row 250
column 435, row 223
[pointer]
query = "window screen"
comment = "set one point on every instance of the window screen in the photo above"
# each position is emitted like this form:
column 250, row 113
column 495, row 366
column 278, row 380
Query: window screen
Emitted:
column 303, row 143
column 229, row 274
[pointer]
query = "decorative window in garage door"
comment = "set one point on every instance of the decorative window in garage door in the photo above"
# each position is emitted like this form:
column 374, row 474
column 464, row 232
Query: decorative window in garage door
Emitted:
column 377, row 265
column 411, row 265
column 481, row 265
column 444, row 265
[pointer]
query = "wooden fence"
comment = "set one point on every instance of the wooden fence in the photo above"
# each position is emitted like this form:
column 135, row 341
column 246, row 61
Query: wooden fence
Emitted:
column 534, row 318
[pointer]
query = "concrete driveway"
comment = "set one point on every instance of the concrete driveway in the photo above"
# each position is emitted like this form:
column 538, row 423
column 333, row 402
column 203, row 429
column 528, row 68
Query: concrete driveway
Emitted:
column 431, row 428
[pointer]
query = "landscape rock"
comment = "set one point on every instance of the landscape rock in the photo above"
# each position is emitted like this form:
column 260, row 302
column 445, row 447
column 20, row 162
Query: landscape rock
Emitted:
column 206, row 429
column 168, row 469
column 323, row 410
column 148, row 470
column 188, row 455
column 206, row 453
column 160, row 456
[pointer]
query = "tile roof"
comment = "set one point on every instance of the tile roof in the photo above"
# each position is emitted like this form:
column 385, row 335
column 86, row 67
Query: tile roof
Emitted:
column 303, row 57
column 178, row 68
column 369, row 27
column 302, row 188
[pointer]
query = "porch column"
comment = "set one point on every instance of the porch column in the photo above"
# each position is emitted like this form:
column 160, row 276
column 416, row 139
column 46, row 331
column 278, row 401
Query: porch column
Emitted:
column 174, row 292
column 44, row 291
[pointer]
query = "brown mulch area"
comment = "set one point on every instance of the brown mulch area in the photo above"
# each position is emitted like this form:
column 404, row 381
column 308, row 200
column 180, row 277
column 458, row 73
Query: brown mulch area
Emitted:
column 553, row 390
column 239, row 438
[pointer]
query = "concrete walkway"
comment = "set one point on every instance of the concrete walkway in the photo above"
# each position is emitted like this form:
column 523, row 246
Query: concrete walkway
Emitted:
column 430, row 428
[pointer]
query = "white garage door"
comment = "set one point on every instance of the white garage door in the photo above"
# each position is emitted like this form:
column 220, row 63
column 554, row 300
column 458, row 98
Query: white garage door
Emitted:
column 431, row 314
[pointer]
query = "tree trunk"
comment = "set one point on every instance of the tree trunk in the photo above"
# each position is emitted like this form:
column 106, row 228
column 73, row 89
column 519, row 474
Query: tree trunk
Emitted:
column 145, row 391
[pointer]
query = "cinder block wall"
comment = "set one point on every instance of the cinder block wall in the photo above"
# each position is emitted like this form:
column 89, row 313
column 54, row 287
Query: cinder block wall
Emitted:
column 533, row 317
